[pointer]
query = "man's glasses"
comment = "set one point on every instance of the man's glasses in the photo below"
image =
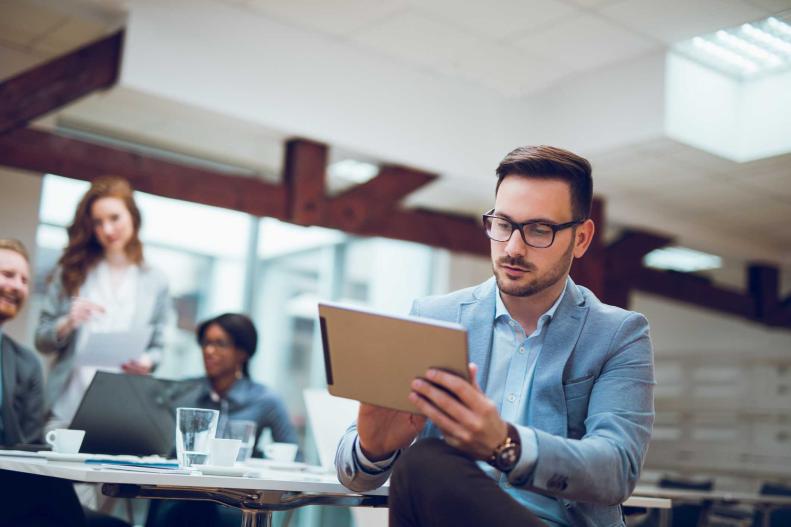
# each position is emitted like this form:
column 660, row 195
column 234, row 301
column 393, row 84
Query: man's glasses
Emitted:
column 534, row 233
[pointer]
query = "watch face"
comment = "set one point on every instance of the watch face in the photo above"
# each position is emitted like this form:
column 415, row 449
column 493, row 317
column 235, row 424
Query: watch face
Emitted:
column 507, row 457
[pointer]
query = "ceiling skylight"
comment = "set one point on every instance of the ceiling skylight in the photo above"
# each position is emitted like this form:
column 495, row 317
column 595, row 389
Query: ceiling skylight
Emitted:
column 681, row 259
column 745, row 51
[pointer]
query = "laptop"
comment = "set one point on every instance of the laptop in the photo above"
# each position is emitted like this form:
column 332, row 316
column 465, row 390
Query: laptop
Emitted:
column 128, row 414
column 373, row 357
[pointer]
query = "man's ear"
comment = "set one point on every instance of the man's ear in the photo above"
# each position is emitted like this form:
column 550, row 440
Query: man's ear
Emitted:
column 583, row 237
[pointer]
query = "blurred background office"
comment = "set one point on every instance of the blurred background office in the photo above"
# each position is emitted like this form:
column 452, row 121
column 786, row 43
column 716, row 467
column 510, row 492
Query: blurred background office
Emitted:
column 684, row 109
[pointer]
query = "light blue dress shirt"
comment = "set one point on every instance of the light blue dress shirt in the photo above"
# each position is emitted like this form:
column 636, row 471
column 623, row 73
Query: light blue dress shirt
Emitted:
column 511, row 369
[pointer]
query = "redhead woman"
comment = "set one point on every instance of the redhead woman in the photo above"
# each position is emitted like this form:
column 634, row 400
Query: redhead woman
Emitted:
column 101, row 284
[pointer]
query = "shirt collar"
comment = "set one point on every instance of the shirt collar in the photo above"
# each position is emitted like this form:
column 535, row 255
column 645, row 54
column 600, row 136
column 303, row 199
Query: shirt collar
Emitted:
column 237, row 395
column 501, row 311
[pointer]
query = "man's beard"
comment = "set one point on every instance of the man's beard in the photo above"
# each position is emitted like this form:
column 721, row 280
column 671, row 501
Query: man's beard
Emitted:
column 539, row 283
column 10, row 306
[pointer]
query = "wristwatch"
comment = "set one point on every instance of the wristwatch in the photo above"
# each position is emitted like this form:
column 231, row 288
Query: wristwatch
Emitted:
column 506, row 455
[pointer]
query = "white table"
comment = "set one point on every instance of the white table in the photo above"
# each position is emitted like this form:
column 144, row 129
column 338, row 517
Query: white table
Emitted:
column 255, row 497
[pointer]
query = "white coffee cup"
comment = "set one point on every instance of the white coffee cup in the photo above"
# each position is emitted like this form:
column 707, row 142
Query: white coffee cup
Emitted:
column 281, row 451
column 65, row 441
column 223, row 452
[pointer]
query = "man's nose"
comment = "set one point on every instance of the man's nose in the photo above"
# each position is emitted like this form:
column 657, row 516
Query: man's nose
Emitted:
column 515, row 246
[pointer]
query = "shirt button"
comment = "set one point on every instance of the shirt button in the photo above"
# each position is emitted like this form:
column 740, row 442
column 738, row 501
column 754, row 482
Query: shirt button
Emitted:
column 522, row 349
column 511, row 397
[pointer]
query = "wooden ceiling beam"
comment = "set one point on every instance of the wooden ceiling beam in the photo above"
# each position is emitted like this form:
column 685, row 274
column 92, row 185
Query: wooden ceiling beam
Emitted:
column 370, row 203
column 691, row 289
column 303, row 177
column 60, row 81
column 46, row 152
column 590, row 270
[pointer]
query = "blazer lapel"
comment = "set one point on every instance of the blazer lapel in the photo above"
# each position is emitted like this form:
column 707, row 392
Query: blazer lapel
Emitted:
column 9, row 387
column 547, row 409
column 478, row 317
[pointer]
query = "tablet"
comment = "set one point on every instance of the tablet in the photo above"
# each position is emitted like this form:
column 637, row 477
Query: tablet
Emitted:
column 373, row 358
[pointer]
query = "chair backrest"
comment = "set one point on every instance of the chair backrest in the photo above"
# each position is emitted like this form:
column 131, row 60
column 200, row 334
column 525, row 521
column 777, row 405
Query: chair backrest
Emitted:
column 329, row 417
column 685, row 484
column 775, row 489
column 687, row 515
column 780, row 517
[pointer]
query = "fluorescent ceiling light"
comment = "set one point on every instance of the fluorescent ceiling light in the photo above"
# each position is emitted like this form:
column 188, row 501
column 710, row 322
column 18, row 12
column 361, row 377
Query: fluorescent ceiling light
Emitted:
column 681, row 259
column 353, row 171
column 744, row 51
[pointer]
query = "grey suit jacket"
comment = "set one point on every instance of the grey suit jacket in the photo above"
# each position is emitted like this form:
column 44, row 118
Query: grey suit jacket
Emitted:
column 153, row 309
column 23, row 394
column 591, row 403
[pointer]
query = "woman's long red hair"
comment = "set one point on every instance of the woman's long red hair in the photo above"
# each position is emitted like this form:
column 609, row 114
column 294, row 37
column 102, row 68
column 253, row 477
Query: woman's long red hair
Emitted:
column 84, row 251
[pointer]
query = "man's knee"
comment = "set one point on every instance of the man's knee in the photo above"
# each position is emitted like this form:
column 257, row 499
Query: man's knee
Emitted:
column 427, row 458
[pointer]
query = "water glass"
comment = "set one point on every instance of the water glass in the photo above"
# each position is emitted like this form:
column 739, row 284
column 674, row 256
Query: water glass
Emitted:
column 195, row 427
column 243, row 430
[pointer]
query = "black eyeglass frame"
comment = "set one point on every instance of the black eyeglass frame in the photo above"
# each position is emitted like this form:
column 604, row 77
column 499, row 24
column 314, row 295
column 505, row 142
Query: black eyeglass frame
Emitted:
column 520, row 227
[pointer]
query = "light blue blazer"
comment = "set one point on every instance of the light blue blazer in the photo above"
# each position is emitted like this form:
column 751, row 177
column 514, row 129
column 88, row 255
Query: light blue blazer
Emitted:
column 591, row 402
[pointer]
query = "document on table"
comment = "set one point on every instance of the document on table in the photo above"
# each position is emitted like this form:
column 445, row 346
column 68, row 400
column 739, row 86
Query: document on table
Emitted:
column 113, row 348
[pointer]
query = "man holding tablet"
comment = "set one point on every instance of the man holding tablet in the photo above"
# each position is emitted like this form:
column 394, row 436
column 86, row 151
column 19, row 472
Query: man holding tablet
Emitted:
column 555, row 425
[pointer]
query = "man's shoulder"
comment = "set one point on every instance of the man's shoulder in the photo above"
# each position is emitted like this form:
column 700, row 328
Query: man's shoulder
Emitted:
column 23, row 356
column 601, row 313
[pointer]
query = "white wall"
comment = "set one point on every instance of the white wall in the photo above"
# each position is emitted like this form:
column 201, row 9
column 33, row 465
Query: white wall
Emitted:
column 20, row 193
column 723, row 394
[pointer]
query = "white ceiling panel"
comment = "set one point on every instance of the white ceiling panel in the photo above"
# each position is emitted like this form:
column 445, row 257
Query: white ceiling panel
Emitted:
column 73, row 33
column 339, row 17
column 24, row 22
column 497, row 19
column 14, row 61
column 774, row 183
column 585, row 42
column 592, row 4
column 417, row 39
column 508, row 70
column 774, row 6
column 674, row 20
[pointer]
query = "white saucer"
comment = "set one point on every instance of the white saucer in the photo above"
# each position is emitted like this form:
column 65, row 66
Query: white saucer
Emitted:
column 218, row 470
column 271, row 464
column 58, row 456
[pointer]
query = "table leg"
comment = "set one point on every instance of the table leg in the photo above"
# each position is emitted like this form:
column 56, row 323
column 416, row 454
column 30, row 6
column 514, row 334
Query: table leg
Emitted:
column 252, row 518
column 665, row 517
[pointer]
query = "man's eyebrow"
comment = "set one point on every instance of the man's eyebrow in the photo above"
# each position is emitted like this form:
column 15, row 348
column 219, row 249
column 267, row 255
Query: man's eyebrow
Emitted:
column 531, row 220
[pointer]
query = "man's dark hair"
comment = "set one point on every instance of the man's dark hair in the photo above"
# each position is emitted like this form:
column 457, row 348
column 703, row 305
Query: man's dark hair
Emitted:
column 549, row 162
column 241, row 330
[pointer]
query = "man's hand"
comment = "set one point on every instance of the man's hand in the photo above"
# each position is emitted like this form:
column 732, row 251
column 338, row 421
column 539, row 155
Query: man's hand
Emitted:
column 469, row 420
column 382, row 431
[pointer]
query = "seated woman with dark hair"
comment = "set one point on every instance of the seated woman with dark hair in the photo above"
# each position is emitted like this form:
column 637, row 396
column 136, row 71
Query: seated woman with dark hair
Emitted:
column 228, row 342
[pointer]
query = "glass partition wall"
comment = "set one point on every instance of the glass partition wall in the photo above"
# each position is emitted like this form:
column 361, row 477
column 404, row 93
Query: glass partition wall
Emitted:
column 219, row 260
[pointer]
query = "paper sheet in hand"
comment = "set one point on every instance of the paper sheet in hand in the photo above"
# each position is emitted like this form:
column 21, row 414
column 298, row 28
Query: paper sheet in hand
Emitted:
column 373, row 357
column 113, row 348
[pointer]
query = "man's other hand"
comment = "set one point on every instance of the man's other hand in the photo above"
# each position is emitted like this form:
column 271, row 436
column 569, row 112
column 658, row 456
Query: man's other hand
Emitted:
column 382, row 431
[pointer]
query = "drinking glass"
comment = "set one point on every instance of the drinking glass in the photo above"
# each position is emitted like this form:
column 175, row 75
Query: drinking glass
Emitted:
column 243, row 430
column 195, row 427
